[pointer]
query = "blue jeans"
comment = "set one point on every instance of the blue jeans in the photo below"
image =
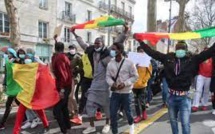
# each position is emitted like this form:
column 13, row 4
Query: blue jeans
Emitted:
column 165, row 93
column 116, row 101
column 149, row 90
column 179, row 105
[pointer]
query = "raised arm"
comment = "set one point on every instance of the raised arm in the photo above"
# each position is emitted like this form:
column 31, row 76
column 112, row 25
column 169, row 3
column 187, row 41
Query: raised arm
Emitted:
column 205, row 55
column 80, row 41
column 123, row 36
column 154, row 54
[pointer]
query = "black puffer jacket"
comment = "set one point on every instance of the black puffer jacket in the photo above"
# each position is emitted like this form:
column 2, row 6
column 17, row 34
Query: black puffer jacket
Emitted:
column 188, row 66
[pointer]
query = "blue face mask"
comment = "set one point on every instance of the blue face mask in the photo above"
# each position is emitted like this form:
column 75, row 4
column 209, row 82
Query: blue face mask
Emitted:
column 113, row 53
column 28, row 61
column 22, row 56
column 180, row 53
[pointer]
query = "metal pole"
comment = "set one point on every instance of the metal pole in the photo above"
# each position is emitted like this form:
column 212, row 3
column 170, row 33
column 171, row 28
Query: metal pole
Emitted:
column 109, row 8
column 169, row 26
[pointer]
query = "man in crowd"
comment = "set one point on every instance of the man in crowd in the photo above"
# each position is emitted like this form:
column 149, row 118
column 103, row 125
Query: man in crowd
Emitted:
column 121, row 75
column 76, row 69
column 62, row 70
column 179, row 69
column 98, row 93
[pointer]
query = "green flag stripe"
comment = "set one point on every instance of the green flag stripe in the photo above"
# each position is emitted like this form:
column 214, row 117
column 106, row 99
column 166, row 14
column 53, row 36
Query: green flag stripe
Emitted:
column 13, row 88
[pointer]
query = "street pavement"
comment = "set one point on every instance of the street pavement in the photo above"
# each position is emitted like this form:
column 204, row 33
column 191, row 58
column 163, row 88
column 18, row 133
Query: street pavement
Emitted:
column 202, row 122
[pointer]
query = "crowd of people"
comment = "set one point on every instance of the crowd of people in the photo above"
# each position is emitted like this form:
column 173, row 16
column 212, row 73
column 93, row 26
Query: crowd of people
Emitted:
column 109, row 82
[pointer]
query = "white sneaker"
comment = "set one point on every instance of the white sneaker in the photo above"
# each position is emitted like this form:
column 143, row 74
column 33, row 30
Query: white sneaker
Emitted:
column 26, row 125
column 213, row 112
column 34, row 123
column 106, row 129
column 131, row 129
column 89, row 130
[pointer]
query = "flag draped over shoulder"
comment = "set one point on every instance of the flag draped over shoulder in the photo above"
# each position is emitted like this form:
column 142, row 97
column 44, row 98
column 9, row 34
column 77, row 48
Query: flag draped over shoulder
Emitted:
column 153, row 38
column 32, row 84
column 104, row 21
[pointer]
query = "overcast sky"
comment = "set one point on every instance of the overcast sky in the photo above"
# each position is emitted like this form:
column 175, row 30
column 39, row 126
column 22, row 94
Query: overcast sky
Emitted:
column 140, row 12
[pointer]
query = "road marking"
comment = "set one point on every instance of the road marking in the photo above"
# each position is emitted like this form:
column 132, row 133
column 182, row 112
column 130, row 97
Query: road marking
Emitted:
column 144, row 124
column 209, row 123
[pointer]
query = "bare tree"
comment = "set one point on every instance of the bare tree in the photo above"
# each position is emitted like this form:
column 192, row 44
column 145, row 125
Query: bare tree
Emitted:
column 181, row 17
column 202, row 17
column 13, row 19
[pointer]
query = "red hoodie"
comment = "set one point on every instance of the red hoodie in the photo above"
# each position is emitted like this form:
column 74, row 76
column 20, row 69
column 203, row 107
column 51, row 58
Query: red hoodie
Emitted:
column 206, row 67
column 62, row 70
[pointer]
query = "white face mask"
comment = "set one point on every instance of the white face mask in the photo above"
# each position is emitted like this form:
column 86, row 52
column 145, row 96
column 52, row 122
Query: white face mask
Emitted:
column 72, row 51
column 98, row 49
column 28, row 61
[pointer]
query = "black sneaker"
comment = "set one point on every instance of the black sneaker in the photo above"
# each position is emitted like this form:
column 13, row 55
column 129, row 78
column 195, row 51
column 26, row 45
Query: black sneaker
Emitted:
column 2, row 127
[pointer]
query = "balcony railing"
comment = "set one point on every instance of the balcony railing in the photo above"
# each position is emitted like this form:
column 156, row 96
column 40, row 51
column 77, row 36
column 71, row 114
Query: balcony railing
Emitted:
column 133, row 1
column 103, row 5
column 122, row 13
column 68, row 17
column 117, row 11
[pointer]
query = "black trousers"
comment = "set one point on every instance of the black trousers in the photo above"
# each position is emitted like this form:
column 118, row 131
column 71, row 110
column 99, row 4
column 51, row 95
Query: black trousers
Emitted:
column 85, row 85
column 8, row 108
column 213, row 100
column 140, row 100
column 61, row 112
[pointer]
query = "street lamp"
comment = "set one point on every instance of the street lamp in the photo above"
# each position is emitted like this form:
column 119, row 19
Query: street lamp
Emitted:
column 169, row 26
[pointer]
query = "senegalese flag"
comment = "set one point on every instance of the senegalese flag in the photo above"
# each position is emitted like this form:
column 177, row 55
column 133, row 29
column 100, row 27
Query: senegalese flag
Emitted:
column 104, row 21
column 197, row 34
column 32, row 84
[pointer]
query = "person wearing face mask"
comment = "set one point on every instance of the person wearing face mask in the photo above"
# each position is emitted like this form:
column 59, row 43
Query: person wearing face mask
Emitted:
column 11, row 56
column 32, row 119
column 76, row 68
column 179, row 69
column 21, row 55
column 121, row 75
column 97, row 91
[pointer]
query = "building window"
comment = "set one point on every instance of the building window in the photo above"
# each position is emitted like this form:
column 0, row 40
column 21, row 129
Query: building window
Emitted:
column 66, row 34
column 68, row 8
column 123, row 6
column 44, row 51
column 89, row 15
column 89, row 36
column 43, row 4
column 130, row 9
column 43, row 29
column 4, row 23
column 115, row 2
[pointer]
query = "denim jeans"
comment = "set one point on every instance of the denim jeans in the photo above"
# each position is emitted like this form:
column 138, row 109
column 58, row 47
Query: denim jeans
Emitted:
column 116, row 101
column 149, row 90
column 165, row 93
column 179, row 105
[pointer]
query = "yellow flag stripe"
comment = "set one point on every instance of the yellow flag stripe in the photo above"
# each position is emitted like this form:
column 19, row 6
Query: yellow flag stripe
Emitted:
column 144, row 124
column 25, row 76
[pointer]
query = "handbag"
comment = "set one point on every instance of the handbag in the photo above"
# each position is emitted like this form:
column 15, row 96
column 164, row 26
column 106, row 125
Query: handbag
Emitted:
column 117, row 74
